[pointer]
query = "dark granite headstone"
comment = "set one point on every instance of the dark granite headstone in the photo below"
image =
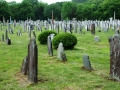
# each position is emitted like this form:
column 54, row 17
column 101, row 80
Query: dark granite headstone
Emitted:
column 93, row 29
column 8, row 41
column 6, row 34
column 86, row 62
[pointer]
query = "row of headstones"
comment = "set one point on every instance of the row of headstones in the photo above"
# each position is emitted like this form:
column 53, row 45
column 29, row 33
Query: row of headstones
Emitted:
column 5, row 38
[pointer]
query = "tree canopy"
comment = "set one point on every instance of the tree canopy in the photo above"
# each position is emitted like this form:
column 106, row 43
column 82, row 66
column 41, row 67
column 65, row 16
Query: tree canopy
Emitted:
column 80, row 9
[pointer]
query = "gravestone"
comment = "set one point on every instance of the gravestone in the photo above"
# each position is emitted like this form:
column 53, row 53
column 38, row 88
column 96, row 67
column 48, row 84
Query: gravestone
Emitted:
column 2, row 38
column 6, row 34
column 93, row 29
column 34, row 34
column 32, row 61
column 49, row 43
column 8, row 41
column 52, row 36
column 115, row 56
column 60, row 50
column 96, row 39
column 118, row 30
column 86, row 62
column 24, row 68
column 63, row 57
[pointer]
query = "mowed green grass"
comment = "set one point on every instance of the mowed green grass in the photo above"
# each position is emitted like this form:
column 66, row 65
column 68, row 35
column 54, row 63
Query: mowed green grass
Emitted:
column 52, row 73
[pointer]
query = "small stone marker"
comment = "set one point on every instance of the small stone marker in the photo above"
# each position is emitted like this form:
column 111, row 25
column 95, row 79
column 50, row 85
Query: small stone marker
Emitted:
column 63, row 56
column 86, row 62
column 32, row 61
column 24, row 68
column 96, row 39
column 49, row 43
column 8, row 41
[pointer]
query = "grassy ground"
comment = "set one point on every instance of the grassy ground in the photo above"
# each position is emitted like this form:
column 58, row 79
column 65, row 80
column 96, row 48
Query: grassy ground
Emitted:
column 53, row 74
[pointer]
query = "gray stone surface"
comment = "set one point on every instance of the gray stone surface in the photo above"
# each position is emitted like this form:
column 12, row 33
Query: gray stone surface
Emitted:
column 32, row 61
column 49, row 43
column 86, row 62
column 115, row 56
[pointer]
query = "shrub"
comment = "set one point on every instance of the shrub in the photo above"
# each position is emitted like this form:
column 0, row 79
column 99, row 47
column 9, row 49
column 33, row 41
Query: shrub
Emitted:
column 42, row 37
column 68, row 40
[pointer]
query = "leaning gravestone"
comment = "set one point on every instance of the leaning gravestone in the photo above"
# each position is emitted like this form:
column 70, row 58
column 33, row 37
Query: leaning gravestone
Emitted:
column 115, row 57
column 60, row 50
column 24, row 68
column 49, row 43
column 86, row 62
column 32, row 61
column 96, row 39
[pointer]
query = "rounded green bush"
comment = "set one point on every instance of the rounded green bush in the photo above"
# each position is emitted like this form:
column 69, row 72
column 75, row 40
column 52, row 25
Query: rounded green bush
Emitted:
column 68, row 40
column 42, row 37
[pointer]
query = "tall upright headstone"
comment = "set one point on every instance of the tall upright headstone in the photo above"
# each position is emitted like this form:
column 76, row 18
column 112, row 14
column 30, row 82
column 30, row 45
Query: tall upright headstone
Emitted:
column 49, row 43
column 32, row 61
column 115, row 56
column 93, row 29
column 60, row 50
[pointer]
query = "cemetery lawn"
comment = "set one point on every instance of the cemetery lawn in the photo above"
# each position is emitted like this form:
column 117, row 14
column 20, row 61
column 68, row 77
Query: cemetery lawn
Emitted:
column 54, row 74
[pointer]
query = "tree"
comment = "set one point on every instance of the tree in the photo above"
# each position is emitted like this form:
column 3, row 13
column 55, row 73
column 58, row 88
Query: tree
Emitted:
column 69, row 10
column 79, row 1
column 4, row 10
column 56, row 11
column 25, row 11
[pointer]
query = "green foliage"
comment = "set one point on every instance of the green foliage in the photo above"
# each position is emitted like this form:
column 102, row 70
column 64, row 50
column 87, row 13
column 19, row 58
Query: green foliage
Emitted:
column 68, row 40
column 4, row 10
column 56, row 8
column 69, row 10
column 42, row 37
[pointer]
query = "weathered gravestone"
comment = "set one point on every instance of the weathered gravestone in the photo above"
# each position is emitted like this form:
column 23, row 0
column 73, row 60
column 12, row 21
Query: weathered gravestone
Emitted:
column 96, row 39
column 61, row 54
column 2, row 38
column 8, row 41
column 32, row 61
column 93, row 29
column 86, row 62
column 49, row 43
column 60, row 50
column 115, row 57
column 118, row 30
column 24, row 68
column 6, row 34
column 34, row 35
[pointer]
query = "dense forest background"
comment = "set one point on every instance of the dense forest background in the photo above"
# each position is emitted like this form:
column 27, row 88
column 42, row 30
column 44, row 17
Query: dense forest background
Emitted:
column 80, row 9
